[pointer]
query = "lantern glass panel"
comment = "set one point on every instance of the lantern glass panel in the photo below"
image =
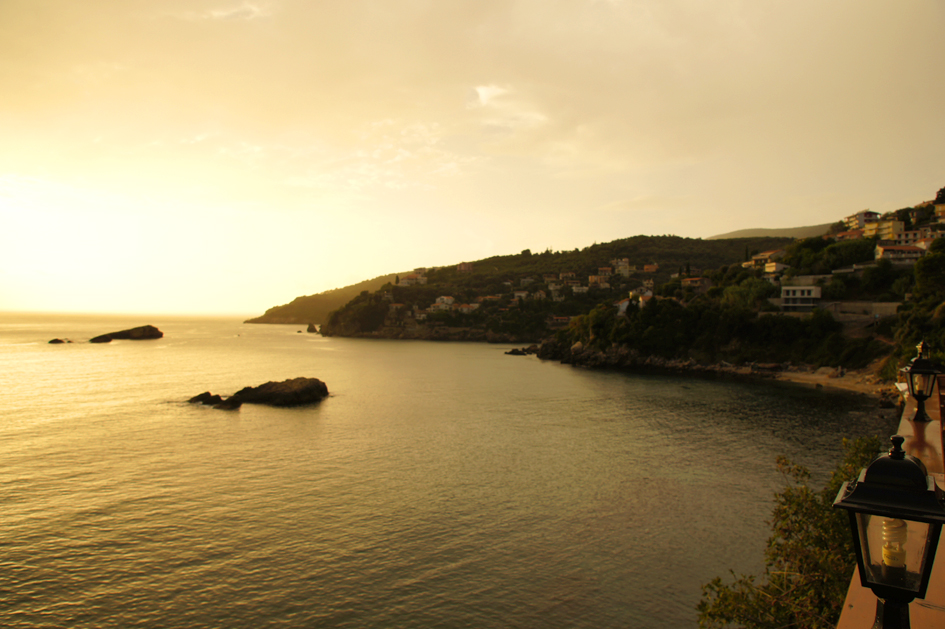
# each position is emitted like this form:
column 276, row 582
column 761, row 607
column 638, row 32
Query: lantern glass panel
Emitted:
column 924, row 383
column 893, row 550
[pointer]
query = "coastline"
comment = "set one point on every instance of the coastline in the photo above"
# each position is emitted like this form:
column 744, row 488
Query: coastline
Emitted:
column 857, row 381
column 862, row 381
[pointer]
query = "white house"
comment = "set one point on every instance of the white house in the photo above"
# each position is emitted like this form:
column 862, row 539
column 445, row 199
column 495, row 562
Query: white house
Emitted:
column 799, row 298
column 860, row 219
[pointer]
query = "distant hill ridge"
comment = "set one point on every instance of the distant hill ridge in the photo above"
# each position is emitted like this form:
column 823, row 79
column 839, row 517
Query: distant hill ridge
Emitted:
column 672, row 253
column 787, row 232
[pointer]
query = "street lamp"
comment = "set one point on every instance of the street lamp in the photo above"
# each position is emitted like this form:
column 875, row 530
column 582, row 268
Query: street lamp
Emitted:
column 920, row 376
column 896, row 514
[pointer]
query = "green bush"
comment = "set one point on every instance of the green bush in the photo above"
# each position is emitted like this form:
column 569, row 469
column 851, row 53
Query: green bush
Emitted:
column 808, row 562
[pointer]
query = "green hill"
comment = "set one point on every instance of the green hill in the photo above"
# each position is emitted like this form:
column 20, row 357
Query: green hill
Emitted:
column 404, row 311
column 315, row 308
column 670, row 252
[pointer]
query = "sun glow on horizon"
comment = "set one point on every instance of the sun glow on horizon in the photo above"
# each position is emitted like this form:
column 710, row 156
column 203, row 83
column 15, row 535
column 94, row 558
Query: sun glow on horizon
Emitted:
column 280, row 148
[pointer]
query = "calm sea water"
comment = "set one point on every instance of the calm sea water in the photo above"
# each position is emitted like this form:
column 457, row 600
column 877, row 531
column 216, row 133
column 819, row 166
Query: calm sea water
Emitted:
column 441, row 485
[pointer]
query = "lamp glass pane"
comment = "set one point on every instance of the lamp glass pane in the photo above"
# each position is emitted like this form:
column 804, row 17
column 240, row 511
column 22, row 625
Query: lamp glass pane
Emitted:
column 918, row 384
column 893, row 550
column 928, row 383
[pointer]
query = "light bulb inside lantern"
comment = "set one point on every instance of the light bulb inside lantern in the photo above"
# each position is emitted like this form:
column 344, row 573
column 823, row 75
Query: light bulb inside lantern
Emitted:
column 920, row 384
column 895, row 534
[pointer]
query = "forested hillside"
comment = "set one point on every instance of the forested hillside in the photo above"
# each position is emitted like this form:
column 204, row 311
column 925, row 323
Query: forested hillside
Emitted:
column 497, row 313
column 315, row 308
column 671, row 252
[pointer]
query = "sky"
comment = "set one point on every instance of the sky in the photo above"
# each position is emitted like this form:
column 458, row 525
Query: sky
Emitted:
column 227, row 156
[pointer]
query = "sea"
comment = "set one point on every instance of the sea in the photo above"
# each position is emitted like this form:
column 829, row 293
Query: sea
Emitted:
column 441, row 484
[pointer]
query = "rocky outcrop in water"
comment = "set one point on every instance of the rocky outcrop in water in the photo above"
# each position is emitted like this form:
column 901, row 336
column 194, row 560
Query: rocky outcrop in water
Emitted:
column 206, row 398
column 59, row 341
column 311, row 328
column 525, row 351
column 142, row 333
column 294, row 392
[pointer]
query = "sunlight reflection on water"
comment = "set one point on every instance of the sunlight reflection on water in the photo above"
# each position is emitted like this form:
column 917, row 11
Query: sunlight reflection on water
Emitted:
column 439, row 485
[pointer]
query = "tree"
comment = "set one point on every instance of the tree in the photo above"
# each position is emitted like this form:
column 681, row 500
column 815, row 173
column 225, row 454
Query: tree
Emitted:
column 930, row 273
column 836, row 228
column 808, row 562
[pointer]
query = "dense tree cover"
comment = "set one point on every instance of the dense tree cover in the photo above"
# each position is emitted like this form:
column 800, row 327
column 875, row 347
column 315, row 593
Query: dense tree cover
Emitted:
column 727, row 327
column 529, row 319
column 316, row 308
column 882, row 281
column 733, row 321
column 808, row 561
column 924, row 317
column 670, row 252
column 364, row 313
column 816, row 256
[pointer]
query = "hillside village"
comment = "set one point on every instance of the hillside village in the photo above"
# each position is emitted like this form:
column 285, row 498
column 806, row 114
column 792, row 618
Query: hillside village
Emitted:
column 473, row 301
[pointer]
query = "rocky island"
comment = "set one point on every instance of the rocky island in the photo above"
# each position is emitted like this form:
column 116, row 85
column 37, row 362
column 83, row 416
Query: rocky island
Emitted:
column 293, row 392
column 141, row 333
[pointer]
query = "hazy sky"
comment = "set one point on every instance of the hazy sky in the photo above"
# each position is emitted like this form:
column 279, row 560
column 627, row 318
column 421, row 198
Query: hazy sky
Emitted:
column 227, row 156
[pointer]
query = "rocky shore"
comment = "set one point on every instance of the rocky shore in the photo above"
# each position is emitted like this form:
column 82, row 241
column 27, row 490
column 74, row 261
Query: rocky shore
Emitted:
column 427, row 333
column 864, row 381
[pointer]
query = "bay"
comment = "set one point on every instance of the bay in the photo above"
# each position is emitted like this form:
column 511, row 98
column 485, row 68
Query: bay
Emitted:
column 441, row 484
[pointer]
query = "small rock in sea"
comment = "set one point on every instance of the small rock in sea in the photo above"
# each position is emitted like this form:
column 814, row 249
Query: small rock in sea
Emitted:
column 229, row 404
column 142, row 333
column 311, row 328
column 515, row 352
column 206, row 398
column 59, row 341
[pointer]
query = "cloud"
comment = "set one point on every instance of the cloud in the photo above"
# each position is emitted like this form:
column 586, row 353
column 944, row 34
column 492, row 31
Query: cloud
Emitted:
column 244, row 11
column 388, row 154
column 484, row 94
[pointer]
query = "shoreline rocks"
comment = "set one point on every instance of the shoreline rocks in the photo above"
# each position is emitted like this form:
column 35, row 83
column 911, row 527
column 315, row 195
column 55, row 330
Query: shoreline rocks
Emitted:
column 837, row 378
column 428, row 333
column 288, row 393
column 141, row 333
column 525, row 351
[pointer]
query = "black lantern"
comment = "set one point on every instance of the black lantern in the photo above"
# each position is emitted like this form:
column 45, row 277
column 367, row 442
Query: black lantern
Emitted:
column 896, row 514
column 920, row 376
